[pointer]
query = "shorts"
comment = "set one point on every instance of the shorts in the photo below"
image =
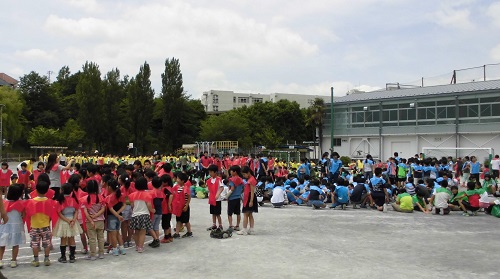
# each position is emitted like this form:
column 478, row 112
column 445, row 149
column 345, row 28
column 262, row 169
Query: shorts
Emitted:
column 113, row 223
column 184, row 218
column 43, row 234
column 156, row 222
column 127, row 213
column 378, row 197
column 216, row 209
column 318, row 203
column 141, row 222
column 401, row 179
column 251, row 209
column 165, row 221
column 234, row 207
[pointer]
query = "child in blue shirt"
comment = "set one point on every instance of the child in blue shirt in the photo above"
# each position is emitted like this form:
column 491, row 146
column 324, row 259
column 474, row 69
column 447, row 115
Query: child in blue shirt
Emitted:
column 341, row 195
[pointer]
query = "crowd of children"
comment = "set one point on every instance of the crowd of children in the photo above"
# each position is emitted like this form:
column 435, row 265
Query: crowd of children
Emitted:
column 108, row 205
column 405, row 185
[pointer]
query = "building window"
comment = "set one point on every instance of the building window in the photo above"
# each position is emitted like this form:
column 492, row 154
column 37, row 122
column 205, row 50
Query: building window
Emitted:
column 215, row 108
column 234, row 99
column 257, row 100
column 215, row 99
column 243, row 100
column 337, row 141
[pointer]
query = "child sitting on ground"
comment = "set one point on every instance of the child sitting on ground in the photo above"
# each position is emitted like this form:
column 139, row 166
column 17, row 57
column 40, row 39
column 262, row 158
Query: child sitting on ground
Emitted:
column 440, row 199
column 341, row 195
column 404, row 202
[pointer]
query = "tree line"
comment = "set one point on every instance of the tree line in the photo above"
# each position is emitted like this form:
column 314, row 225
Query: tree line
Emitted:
column 87, row 110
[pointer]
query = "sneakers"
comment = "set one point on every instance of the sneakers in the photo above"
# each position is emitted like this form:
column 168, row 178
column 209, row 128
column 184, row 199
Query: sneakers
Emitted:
column 90, row 258
column 115, row 252
column 441, row 211
column 140, row 249
column 85, row 251
column 122, row 251
column 176, row 236
column 46, row 262
column 101, row 256
column 354, row 206
column 188, row 234
column 474, row 213
column 344, row 207
column 13, row 264
column 62, row 260
column 35, row 263
column 251, row 231
column 373, row 206
column 466, row 214
column 212, row 228
column 237, row 228
column 242, row 232
column 72, row 258
column 164, row 240
column 155, row 243
column 385, row 209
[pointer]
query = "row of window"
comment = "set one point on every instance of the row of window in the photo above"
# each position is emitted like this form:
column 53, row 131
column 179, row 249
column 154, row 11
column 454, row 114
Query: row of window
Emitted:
column 246, row 100
column 430, row 113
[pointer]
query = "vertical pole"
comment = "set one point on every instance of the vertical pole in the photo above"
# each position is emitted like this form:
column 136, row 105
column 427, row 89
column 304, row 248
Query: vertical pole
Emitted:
column 484, row 73
column 422, row 81
column 331, row 118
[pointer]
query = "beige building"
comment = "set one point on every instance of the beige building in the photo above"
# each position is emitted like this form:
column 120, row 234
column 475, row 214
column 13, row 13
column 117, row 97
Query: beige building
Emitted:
column 216, row 101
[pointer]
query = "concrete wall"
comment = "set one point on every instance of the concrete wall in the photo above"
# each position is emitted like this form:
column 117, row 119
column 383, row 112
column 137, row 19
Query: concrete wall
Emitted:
column 409, row 145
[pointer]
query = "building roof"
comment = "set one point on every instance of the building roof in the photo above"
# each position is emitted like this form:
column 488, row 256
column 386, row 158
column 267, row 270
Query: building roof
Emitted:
column 8, row 79
column 421, row 91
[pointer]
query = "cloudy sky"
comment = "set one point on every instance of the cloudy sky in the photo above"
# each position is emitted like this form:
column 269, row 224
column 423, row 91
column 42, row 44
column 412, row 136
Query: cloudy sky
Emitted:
column 265, row 46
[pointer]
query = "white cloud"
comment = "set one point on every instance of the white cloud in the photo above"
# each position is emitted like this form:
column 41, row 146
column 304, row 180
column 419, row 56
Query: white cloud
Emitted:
column 86, row 5
column 495, row 53
column 494, row 12
column 35, row 54
column 454, row 18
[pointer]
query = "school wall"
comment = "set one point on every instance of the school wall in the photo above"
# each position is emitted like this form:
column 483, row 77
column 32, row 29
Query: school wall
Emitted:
column 409, row 145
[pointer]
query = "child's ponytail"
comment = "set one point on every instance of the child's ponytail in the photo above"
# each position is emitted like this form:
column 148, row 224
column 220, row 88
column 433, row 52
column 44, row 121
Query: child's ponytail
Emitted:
column 125, row 179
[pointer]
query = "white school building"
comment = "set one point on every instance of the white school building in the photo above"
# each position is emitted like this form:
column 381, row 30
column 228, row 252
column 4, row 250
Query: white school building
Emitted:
column 443, row 118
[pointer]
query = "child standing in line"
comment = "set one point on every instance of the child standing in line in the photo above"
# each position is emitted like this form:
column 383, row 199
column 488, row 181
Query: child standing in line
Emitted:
column 23, row 178
column 3, row 219
column 250, row 205
column 74, row 180
column 40, row 169
column 12, row 232
column 67, row 226
column 126, row 189
column 141, row 221
column 5, row 174
column 166, row 207
column 234, row 196
column 94, row 207
column 39, row 209
column 180, row 205
column 116, row 204
column 158, row 198
column 215, row 188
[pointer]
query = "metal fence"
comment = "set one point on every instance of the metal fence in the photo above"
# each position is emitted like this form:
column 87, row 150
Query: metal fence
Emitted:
column 15, row 157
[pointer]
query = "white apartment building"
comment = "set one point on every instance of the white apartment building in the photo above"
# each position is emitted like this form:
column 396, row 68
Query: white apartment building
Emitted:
column 216, row 101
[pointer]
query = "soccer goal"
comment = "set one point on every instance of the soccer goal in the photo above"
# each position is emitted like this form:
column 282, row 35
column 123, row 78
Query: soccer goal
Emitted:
column 438, row 152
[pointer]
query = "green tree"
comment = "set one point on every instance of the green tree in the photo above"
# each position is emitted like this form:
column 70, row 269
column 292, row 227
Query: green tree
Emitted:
column 113, row 95
column 315, row 119
column 141, row 105
column 64, row 89
column 226, row 126
column 44, row 136
column 89, row 96
column 72, row 134
column 174, row 105
column 12, row 118
column 42, row 105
